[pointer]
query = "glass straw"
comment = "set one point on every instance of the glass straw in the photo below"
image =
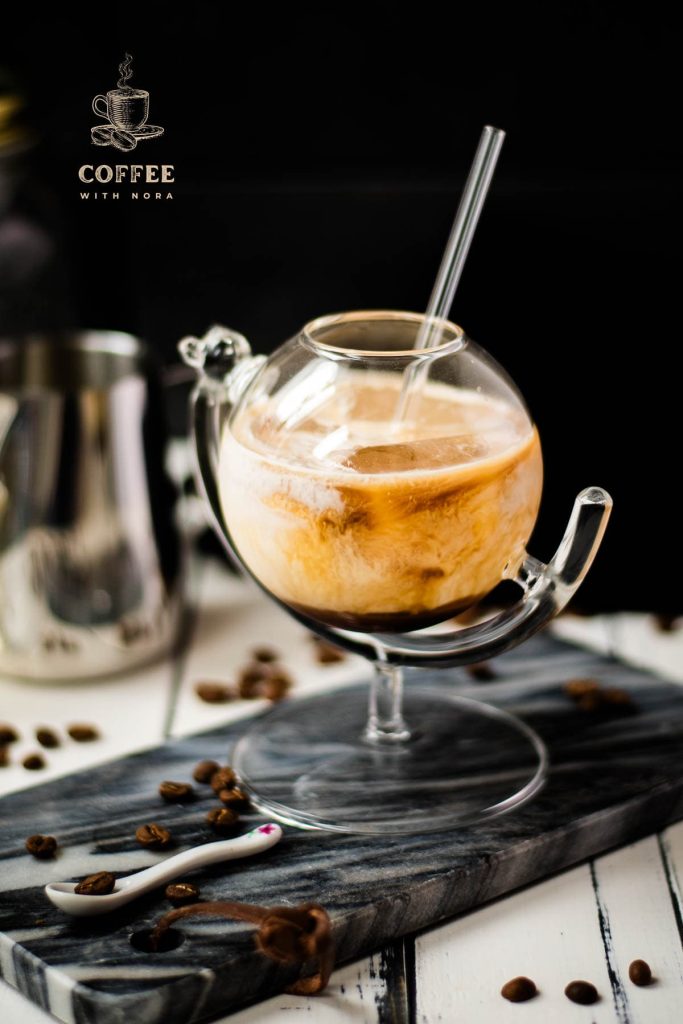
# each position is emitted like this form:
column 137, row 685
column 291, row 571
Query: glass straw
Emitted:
column 455, row 254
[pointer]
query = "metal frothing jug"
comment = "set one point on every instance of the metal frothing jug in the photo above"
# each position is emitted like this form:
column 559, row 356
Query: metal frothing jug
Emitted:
column 90, row 559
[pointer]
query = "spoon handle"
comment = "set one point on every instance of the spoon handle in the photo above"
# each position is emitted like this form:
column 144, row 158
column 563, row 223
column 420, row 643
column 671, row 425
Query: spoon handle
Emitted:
column 256, row 841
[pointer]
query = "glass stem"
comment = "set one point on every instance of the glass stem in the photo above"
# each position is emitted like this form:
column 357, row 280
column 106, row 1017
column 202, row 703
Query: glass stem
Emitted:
column 385, row 720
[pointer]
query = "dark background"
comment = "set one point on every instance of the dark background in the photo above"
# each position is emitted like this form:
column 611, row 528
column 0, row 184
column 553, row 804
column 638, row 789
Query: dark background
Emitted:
column 319, row 155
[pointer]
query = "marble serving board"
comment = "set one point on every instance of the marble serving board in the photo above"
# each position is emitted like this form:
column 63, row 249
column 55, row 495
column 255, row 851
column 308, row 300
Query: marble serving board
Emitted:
column 613, row 779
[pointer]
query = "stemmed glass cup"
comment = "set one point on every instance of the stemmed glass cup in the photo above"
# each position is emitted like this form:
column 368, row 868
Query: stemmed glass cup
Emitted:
column 374, row 531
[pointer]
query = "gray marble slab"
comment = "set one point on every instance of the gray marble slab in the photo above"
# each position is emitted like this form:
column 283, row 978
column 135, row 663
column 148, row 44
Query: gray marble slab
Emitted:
column 614, row 777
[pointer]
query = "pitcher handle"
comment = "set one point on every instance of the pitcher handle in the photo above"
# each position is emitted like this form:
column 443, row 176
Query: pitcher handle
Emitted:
column 546, row 589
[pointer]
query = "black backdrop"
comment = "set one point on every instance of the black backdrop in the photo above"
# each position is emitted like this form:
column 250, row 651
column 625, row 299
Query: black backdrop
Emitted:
column 319, row 154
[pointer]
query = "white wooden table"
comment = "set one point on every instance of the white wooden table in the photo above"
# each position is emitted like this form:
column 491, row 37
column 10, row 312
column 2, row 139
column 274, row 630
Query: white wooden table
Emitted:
column 588, row 922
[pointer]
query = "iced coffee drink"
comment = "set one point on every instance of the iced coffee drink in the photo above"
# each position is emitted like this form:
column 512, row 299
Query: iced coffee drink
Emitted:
column 369, row 525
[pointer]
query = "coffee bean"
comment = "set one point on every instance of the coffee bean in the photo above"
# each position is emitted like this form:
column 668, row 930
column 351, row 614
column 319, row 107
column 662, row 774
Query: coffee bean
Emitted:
column 41, row 847
column 222, row 819
column 483, row 673
column 153, row 835
column 8, row 734
column 34, row 762
column 667, row 622
column 326, row 654
column 580, row 687
column 214, row 693
column 83, row 733
column 277, row 687
column 639, row 972
column 176, row 792
column 518, row 990
column 99, row 884
column 615, row 695
column 234, row 797
column 264, row 654
column 182, row 892
column 47, row 737
column 205, row 771
column 224, row 778
column 590, row 702
column 249, row 678
column 581, row 992
column 4, row 755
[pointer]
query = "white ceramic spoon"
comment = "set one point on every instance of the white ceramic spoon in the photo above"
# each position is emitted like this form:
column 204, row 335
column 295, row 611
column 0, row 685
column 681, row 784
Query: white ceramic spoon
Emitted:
column 131, row 886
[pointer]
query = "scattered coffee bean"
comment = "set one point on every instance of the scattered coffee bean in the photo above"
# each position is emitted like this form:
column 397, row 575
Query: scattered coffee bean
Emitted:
column 205, row 771
column 222, row 819
column 615, row 695
column 99, row 884
column 8, row 734
column 264, row 654
column 34, row 762
column 176, row 792
column 325, row 653
column 41, row 847
column 153, row 835
column 667, row 622
column 639, row 972
column 518, row 990
column 47, row 738
column 484, row 673
column 182, row 892
column 224, row 778
column 580, row 687
column 581, row 992
column 214, row 693
column 590, row 702
column 4, row 755
column 277, row 687
column 83, row 733
column 250, row 677
column 234, row 797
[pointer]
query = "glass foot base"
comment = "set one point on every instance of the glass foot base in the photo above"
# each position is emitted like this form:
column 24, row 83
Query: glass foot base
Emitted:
column 308, row 763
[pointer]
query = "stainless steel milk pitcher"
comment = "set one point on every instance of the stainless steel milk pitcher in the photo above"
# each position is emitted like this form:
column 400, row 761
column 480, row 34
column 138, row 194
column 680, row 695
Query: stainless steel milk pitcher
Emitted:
column 89, row 554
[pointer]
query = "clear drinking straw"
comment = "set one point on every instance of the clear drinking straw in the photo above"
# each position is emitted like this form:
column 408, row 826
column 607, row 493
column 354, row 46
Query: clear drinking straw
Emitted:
column 455, row 254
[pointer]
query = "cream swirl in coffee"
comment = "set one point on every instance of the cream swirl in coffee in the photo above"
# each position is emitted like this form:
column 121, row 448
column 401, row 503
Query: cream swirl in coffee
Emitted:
column 364, row 525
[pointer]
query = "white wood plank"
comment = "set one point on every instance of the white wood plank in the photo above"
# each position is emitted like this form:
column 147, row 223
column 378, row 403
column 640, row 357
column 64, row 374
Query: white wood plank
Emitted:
column 233, row 617
column 129, row 710
column 639, row 923
column 637, row 639
column 355, row 993
column 549, row 932
column 671, row 845
column 593, row 633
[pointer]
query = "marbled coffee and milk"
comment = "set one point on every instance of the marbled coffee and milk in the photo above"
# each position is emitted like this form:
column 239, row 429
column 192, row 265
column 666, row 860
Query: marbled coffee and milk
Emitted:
column 368, row 527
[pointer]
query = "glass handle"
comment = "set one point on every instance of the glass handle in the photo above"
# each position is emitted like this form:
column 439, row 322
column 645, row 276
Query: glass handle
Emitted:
column 547, row 589
column 223, row 361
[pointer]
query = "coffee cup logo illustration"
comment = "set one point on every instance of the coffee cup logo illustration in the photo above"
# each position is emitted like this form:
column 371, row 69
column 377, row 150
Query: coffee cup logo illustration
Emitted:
column 126, row 111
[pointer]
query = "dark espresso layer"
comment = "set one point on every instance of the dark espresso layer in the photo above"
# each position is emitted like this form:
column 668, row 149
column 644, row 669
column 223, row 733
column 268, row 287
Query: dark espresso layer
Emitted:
column 387, row 622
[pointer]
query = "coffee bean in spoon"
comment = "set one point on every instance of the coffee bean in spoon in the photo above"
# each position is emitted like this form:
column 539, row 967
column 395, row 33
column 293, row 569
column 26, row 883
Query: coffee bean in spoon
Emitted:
column 99, row 884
